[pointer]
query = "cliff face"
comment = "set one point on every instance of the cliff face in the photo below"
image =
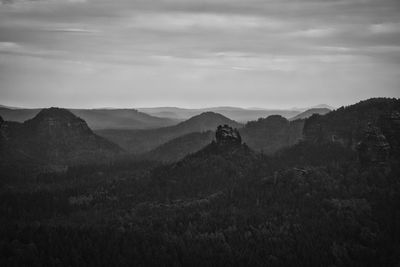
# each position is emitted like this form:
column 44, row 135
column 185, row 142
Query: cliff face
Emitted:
column 56, row 136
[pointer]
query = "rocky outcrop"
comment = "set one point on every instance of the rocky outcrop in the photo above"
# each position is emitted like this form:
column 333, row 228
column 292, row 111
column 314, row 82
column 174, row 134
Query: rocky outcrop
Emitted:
column 227, row 135
column 374, row 147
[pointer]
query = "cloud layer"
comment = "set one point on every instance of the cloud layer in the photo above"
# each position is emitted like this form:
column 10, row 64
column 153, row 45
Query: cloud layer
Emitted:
column 269, row 53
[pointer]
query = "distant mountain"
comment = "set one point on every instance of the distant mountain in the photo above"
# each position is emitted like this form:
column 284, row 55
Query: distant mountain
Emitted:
column 324, row 106
column 99, row 118
column 54, row 136
column 8, row 107
column 272, row 133
column 308, row 113
column 179, row 147
column 348, row 125
column 234, row 113
column 18, row 115
column 302, row 109
column 141, row 141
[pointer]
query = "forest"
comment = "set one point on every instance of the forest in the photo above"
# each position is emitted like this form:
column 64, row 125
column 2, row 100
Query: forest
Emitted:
column 319, row 202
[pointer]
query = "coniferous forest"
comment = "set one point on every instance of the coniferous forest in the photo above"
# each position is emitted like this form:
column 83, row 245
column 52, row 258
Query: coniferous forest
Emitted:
column 320, row 191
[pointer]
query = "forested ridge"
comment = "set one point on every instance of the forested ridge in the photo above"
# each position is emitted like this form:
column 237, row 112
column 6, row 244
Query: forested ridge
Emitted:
column 311, row 204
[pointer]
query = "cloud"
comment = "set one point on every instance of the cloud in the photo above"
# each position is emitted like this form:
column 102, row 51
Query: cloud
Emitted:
column 385, row 28
column 9, row 46
column 75, row 30
column 215, row 43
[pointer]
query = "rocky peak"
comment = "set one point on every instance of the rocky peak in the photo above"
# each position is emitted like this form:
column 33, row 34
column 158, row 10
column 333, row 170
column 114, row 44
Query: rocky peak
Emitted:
column 373, row 147
column 227, row 135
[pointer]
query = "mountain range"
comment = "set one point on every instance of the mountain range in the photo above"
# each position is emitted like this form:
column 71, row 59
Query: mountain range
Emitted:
column 150, row 118
column 98, row 118
column 141, row 141
column 241, row 115
column 325, row 192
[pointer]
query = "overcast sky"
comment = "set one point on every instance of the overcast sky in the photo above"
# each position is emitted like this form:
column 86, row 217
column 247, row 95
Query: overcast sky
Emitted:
column 198, row 53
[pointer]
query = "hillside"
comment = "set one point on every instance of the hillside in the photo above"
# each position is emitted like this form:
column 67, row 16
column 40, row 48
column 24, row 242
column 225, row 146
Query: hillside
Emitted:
column 99, row 118
column 55, row 136
column 217, row 166
column 141, row 141
column 272, row 133
column 308, row 113
column 179, row 147
column 347, row 125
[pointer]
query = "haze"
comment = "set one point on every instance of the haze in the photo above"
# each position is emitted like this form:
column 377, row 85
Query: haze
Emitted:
column 249, row 53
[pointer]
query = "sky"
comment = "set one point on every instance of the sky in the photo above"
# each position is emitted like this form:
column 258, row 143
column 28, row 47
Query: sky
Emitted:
column 198, row 53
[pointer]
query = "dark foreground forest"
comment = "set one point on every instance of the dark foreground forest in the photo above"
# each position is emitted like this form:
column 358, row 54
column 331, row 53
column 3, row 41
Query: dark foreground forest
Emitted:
column 331, row 199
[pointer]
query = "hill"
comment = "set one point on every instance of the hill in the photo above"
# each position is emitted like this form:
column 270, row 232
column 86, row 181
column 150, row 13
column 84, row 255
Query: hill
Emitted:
column 218, row 166
column 347, row 125
column 99, row 118
column 266, row 135
column 272, row 133
column 308, row 113
column 54, row 136
column 141, row 141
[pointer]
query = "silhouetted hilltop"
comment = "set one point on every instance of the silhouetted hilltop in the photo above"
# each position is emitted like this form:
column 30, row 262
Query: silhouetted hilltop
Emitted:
column 142, row 141
column 206, row 121
column 272, row 133
column 56, row 136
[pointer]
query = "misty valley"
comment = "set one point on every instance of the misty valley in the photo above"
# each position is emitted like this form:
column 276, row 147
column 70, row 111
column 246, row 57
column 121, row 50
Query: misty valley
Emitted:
column 216, row 187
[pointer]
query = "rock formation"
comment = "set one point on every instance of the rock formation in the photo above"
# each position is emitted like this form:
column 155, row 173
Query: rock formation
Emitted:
column 373, row 147
column 227, row 135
